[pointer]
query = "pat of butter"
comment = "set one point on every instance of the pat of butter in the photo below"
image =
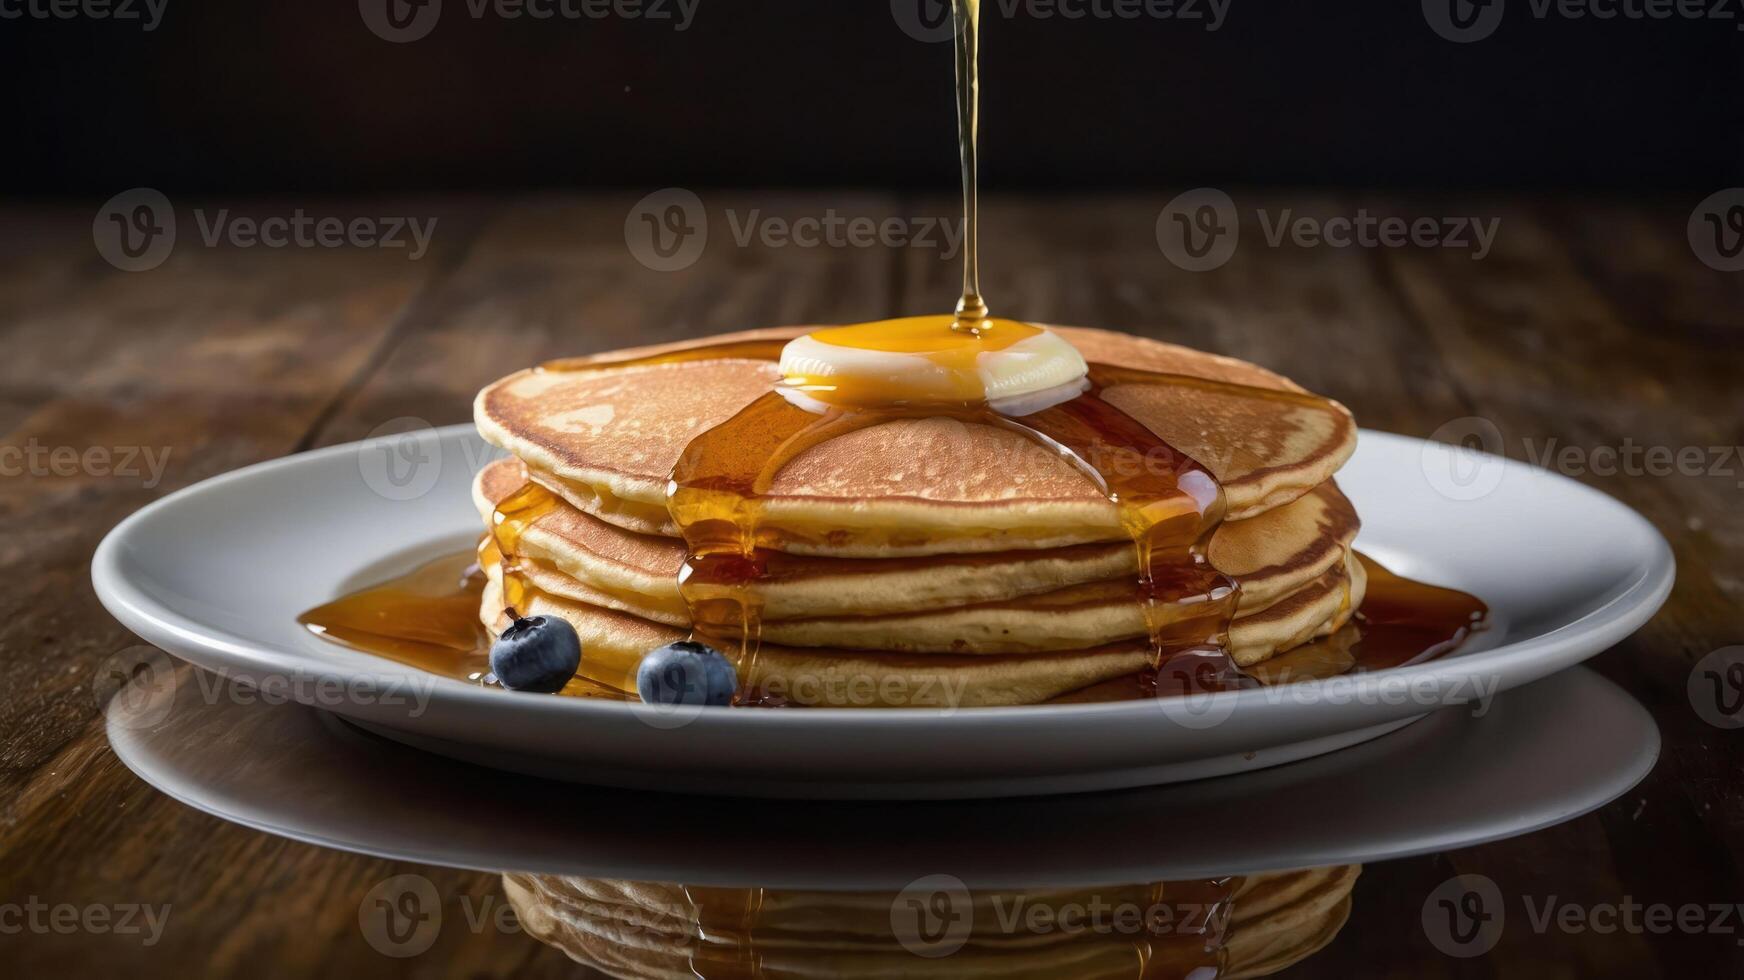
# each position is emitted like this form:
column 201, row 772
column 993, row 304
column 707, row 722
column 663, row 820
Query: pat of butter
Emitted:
column 917, row 361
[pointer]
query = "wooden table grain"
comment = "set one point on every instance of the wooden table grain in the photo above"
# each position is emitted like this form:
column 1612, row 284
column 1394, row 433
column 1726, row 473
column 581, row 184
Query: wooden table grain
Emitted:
column 1588, row 324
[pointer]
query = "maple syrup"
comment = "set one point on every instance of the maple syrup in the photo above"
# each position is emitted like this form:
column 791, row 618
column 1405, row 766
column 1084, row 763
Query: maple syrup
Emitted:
column 966, row 15
column 428, row 618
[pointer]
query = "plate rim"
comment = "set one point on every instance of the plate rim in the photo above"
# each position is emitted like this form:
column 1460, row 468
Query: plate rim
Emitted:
column 1602, row 627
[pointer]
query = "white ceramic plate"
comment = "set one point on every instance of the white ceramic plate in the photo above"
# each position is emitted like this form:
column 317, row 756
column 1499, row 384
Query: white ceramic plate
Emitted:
column 217, row 573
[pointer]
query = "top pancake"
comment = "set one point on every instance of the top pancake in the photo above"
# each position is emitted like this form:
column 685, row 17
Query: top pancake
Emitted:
column 607, row 441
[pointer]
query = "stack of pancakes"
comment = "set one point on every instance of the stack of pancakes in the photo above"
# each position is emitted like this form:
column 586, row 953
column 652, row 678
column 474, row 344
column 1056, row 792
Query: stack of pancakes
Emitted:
column 650, row 930
column 928, row 562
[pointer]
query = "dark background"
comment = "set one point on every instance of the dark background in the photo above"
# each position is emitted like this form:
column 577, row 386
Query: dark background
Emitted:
column 299, row 95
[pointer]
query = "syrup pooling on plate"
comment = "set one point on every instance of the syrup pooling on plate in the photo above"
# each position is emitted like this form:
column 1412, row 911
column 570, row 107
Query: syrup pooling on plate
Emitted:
column 415, row 619
column 427, row 617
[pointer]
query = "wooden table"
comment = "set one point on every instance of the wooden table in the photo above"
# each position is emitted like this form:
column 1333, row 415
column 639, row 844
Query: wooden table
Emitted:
column 1593, row 325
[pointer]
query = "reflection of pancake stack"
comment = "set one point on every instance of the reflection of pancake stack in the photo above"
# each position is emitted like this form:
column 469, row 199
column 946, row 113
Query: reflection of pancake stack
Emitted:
column 927, row 561
column 1245, row 928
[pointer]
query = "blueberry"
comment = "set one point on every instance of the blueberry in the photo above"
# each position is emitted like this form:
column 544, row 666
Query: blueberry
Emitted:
column 686, row 672
column 536, row 653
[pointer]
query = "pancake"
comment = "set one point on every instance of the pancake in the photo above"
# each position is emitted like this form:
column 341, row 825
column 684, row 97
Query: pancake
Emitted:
column 646, row 929
column 1075, row 618
column 1271, row 556
column 607, row 439
column 615, row 641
